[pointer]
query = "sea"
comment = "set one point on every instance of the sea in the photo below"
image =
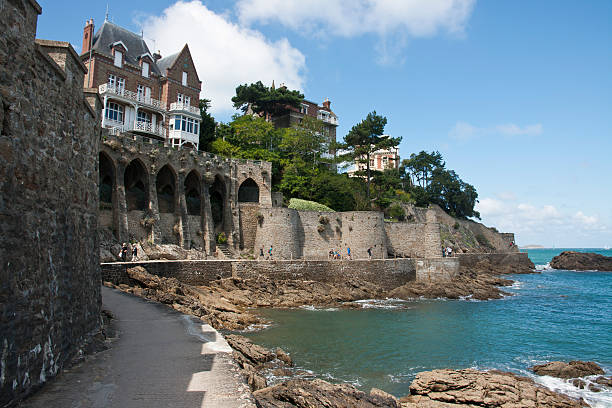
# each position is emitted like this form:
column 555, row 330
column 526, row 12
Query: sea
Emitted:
column 551, row 315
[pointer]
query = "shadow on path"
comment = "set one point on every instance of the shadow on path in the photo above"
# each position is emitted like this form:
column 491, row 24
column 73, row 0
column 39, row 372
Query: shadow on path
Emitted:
column 162, row 358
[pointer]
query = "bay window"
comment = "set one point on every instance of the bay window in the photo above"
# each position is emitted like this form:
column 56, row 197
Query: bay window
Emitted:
column 113, row 111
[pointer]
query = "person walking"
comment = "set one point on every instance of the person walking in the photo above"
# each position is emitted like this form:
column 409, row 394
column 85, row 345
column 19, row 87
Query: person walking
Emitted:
column 370, row 253
column 124, row 250
column 134, row 253
column 348, row 253
column 270, row 252
column 261, row 254
column 449, row 252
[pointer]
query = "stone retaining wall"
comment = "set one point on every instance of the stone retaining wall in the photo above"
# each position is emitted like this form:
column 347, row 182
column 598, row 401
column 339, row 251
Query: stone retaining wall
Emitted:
column 387, row 273
column 49, row 258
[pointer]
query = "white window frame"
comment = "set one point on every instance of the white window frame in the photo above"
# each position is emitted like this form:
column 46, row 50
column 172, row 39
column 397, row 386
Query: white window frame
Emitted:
column 145, row 69
column 184, row 79
column 116, row 83
column 144, row 117
column 185, row 124
column 118, row 58
column 304, row 109
column 113, row 111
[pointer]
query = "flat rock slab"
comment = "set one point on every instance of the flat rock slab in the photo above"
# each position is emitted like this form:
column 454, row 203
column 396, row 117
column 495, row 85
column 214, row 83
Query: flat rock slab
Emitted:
column 161, row 358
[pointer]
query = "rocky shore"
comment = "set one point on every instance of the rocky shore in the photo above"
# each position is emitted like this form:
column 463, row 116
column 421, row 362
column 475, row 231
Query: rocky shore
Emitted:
column 582, row 261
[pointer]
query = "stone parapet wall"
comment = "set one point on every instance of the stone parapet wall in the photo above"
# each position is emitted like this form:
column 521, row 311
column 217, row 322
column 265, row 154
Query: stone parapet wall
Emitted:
column 388, row 273
column 436, row 269
column 501, row 259
column 49, row 139
column 414, row 240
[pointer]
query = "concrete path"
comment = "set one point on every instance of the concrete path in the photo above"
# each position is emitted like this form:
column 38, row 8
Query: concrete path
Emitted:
column 162, row 358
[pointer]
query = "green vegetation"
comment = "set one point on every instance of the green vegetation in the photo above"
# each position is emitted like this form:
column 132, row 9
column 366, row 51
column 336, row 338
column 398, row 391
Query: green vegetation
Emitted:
column 302, row 168
column 305, row 205
column 221, row 238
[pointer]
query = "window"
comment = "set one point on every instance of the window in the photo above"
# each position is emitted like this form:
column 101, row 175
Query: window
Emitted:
column 185, row 124
column 184, row 99
column 184, row 78
column 143, row 93
column 385, row 161
column 116, row 83
column 145, row 69
column 371, row 162
column 143, row 117
column 118, row 58
column 114, row 112
column 304, row 109
column 140, row 92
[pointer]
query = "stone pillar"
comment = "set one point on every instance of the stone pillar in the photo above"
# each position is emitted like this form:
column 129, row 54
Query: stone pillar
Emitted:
column 228, row 208
column 121, row 209
column 155, row 234
column 185, row 233
column 208, row 226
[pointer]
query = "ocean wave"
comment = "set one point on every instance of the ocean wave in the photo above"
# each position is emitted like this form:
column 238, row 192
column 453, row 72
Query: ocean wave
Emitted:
column 543, row 267
column 318, row 309
column 602, row 399
column 390, row 303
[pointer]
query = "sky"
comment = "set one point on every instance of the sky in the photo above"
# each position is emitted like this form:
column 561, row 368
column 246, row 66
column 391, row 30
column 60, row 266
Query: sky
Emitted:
column 515, row 94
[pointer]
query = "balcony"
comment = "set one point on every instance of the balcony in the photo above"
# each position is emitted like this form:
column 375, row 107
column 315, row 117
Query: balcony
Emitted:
column 328, row 119
column 142, row 127
column 184, row 136
column 184, row 107
column 124, row 94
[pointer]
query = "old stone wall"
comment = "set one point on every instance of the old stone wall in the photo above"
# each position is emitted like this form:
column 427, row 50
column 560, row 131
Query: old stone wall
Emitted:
column 206, row 172
column 436, row 269
column 50, row 275
column 248, row 225
column 311, row 235
column 388, row 273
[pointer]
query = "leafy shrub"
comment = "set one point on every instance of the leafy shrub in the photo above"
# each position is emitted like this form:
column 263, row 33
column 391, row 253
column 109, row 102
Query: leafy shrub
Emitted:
column 305, row 205
column 396, row 212
column 221, row 238
column 260, row 218
column 456, row 226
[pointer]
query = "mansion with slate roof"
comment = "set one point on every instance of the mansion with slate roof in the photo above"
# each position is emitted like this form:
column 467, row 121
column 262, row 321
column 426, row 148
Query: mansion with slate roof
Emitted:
column 142, row 93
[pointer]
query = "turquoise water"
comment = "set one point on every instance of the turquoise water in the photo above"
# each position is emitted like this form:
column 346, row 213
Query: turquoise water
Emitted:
column 555, row 315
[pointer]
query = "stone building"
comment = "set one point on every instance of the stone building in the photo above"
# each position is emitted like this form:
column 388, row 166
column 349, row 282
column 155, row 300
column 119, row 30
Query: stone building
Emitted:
column 294, row 116
column 380, row 160
column 143, row 93
column 49, row 139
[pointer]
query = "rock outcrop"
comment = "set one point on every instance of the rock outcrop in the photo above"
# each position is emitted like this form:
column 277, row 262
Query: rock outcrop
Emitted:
column 211, row 308
column 582, row 261
column 473, row 388
column 319, row 393
column 573, row 369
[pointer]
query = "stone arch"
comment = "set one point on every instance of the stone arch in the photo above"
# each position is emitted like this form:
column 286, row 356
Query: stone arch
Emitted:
column 188, row 145
column 136, row 181
column 218, row 196
column 193, row 195
column 106, row 169
column 248, row 191
column 165, row 184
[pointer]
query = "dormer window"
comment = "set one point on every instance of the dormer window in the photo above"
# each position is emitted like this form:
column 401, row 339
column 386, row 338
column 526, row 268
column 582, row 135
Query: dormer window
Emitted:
column 118, row 58
column 184, row 78
column 145, row 69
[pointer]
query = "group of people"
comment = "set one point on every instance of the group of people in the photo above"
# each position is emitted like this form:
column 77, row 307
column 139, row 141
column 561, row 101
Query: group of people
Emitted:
column 337, row 254
column 261, row 253
column 447, row 252
column 123, row 253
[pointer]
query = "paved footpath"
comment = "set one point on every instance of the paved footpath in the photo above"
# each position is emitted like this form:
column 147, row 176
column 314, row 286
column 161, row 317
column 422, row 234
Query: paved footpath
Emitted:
column 161, row 358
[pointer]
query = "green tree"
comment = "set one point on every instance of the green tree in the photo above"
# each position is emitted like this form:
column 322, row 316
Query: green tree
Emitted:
column 265, row 100
column 307, row 141
column 419, row 167
column 207, row 126
column 365, row 138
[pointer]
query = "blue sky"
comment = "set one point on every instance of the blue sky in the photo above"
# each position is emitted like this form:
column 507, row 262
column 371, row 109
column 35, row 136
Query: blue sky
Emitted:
column 516, row 95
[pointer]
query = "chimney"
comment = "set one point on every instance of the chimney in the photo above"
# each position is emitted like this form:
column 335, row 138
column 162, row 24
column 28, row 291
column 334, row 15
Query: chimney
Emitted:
column 88, row 33
column 157, row 56
column 327, row 104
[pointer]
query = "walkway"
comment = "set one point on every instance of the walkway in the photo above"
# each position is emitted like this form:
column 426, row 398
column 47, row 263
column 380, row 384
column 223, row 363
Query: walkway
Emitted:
column 162, row 358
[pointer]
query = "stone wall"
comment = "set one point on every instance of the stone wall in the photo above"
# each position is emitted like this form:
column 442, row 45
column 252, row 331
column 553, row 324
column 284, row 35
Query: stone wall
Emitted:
column 50, row 275
column 389, row 273
column 210, row 171
column 248, row 225
column 436, row 269
column 311, row 235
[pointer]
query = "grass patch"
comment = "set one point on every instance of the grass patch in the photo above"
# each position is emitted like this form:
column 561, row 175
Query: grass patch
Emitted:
column 305, row 205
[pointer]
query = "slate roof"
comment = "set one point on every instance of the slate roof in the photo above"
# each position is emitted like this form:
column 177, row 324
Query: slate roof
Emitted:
column 110, row 33
column 165, row 63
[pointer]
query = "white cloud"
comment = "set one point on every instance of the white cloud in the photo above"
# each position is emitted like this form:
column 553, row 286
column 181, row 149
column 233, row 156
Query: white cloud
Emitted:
column 392, row 20
column 543, row 224
column 225, row 54
column 465, row 131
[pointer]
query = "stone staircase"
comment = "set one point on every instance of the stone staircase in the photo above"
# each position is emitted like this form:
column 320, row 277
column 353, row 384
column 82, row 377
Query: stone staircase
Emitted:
column 224, row 249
